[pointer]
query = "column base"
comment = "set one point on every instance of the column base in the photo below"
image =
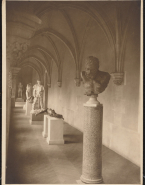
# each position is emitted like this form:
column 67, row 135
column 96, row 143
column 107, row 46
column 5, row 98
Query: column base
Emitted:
column 80, row 182
column 44, row 135
column 55, row 142
column 89, row 181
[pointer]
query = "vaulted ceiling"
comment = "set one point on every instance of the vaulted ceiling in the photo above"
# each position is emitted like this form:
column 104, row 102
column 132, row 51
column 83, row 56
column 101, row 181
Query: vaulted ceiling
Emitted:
column 38, row 33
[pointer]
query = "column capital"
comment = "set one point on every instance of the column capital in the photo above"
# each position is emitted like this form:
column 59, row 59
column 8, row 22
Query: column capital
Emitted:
column 118, row 78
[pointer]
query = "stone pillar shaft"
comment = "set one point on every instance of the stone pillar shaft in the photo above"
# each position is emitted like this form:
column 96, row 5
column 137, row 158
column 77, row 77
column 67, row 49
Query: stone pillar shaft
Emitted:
column 15, row 71
column 92, row 144
column 14, row 86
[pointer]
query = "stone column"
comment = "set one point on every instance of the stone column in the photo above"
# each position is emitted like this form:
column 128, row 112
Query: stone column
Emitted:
column 15, row 71
column 92, row 142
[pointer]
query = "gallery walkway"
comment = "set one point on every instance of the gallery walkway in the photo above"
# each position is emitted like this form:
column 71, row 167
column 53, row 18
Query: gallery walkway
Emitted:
column 32, row 161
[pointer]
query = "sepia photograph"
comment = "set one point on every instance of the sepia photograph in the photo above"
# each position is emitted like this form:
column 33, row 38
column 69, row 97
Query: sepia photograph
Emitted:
column 72, row 108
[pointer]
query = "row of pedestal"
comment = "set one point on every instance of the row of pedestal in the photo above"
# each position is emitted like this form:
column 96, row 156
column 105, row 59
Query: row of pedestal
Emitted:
column 52, row 127
column 92, row 139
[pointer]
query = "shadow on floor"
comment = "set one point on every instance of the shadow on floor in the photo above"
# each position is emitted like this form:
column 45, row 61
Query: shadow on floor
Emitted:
column 72, row 138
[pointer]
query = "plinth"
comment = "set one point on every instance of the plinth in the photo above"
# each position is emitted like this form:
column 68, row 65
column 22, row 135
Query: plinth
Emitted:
column 19, row 100
column 45, row 126
column 24, row 106
column 92, row 143
column 36, row 120
column 28, row 108
column 55, row 131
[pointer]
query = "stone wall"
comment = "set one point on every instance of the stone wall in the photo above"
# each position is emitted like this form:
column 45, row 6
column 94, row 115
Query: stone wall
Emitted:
column 120, row 118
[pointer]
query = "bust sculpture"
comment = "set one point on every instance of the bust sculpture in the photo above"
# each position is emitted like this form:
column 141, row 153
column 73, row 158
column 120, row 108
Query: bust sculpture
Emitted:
column 20, row 90
column 94, row 80
column 29, row 93
column 38, row 91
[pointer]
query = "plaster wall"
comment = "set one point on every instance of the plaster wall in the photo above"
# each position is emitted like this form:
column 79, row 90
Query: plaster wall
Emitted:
column 35, row 77
column 120, row 118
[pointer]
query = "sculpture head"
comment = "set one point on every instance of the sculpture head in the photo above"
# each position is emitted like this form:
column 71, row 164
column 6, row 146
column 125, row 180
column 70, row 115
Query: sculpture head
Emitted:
column 38, row 82
column 91, row 67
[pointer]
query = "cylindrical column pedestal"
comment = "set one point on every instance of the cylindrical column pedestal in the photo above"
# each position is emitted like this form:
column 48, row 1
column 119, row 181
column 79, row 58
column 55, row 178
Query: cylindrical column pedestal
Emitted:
column 92, row 144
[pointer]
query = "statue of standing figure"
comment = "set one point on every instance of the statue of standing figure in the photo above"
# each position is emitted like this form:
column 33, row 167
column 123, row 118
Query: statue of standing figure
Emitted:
column 38, row 91
column 29, row 93
column 20, row 90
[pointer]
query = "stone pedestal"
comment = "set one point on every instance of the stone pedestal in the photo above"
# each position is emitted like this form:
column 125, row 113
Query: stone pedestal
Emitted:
column 24, row 106
column 36, row 120
column 55, row 131
column 28, row 108
column 19, row 100
column 45, row 126
column 92, row 143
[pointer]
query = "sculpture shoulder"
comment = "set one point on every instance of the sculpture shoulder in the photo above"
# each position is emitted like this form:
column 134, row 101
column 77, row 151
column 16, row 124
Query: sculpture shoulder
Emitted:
column 38, row 86
column 103, row 75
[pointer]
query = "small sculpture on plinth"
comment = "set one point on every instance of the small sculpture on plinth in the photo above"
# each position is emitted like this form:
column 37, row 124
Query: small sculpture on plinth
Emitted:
column 51, row 113
column 29, row 93
column 38, row 91
column 94, row 80
column 20, row 90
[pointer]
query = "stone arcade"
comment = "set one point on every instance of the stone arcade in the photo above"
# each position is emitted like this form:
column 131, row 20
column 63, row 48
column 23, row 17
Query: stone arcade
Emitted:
column 73, row 92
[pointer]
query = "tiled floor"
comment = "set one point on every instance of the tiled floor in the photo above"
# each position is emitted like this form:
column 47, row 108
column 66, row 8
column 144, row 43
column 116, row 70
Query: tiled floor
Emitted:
column 32, row 161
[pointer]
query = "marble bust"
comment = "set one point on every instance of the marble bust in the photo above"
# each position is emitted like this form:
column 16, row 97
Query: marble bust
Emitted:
column 94, row 80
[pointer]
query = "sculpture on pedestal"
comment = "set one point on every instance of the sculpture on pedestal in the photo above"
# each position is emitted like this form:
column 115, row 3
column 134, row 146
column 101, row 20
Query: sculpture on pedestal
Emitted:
column 29, row 93
column 38, row 91
column 95, row 82
column 51, row 113
column 20, row 90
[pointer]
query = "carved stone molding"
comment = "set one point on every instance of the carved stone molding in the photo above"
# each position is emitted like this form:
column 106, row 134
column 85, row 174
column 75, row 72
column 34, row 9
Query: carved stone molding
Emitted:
column 117, row 77
column 15, row 70
column 15, row 51
column 10, row 79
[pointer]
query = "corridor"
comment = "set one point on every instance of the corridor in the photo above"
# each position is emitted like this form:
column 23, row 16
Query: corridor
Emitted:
column 32, row 161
